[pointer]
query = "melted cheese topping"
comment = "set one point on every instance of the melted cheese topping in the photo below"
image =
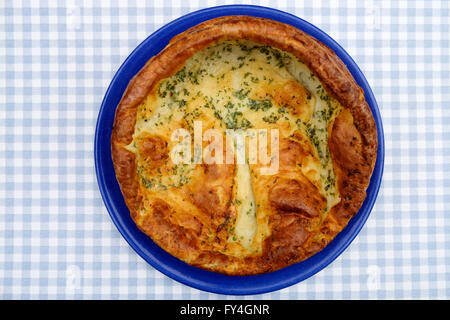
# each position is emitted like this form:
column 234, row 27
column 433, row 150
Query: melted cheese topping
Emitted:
column 241, row 85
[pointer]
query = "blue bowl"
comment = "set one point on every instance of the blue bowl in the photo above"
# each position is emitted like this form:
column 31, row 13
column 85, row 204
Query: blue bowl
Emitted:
column 142, row 244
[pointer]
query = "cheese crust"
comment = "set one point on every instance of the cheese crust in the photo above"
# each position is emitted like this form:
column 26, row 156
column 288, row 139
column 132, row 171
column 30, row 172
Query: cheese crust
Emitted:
column 241, row 72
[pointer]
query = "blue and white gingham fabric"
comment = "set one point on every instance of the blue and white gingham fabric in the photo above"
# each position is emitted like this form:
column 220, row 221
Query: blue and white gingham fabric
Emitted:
column 57, row 240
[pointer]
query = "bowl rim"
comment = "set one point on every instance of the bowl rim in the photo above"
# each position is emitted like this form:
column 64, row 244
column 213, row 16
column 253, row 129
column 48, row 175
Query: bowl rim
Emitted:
column 142, row 244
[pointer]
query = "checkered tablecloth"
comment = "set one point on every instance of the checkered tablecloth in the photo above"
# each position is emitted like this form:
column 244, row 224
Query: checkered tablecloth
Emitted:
column 57, row 240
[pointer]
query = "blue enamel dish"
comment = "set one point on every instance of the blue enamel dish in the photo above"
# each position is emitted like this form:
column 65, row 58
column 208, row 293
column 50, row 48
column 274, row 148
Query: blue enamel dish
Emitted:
column 142, row 244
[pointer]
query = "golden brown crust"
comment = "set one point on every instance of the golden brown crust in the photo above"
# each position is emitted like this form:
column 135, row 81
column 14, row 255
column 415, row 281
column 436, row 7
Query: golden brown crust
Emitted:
column 352, row 144
column 299, row 197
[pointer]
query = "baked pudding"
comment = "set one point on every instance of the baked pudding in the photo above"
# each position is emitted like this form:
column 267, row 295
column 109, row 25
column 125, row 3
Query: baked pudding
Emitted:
column 282, row 92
